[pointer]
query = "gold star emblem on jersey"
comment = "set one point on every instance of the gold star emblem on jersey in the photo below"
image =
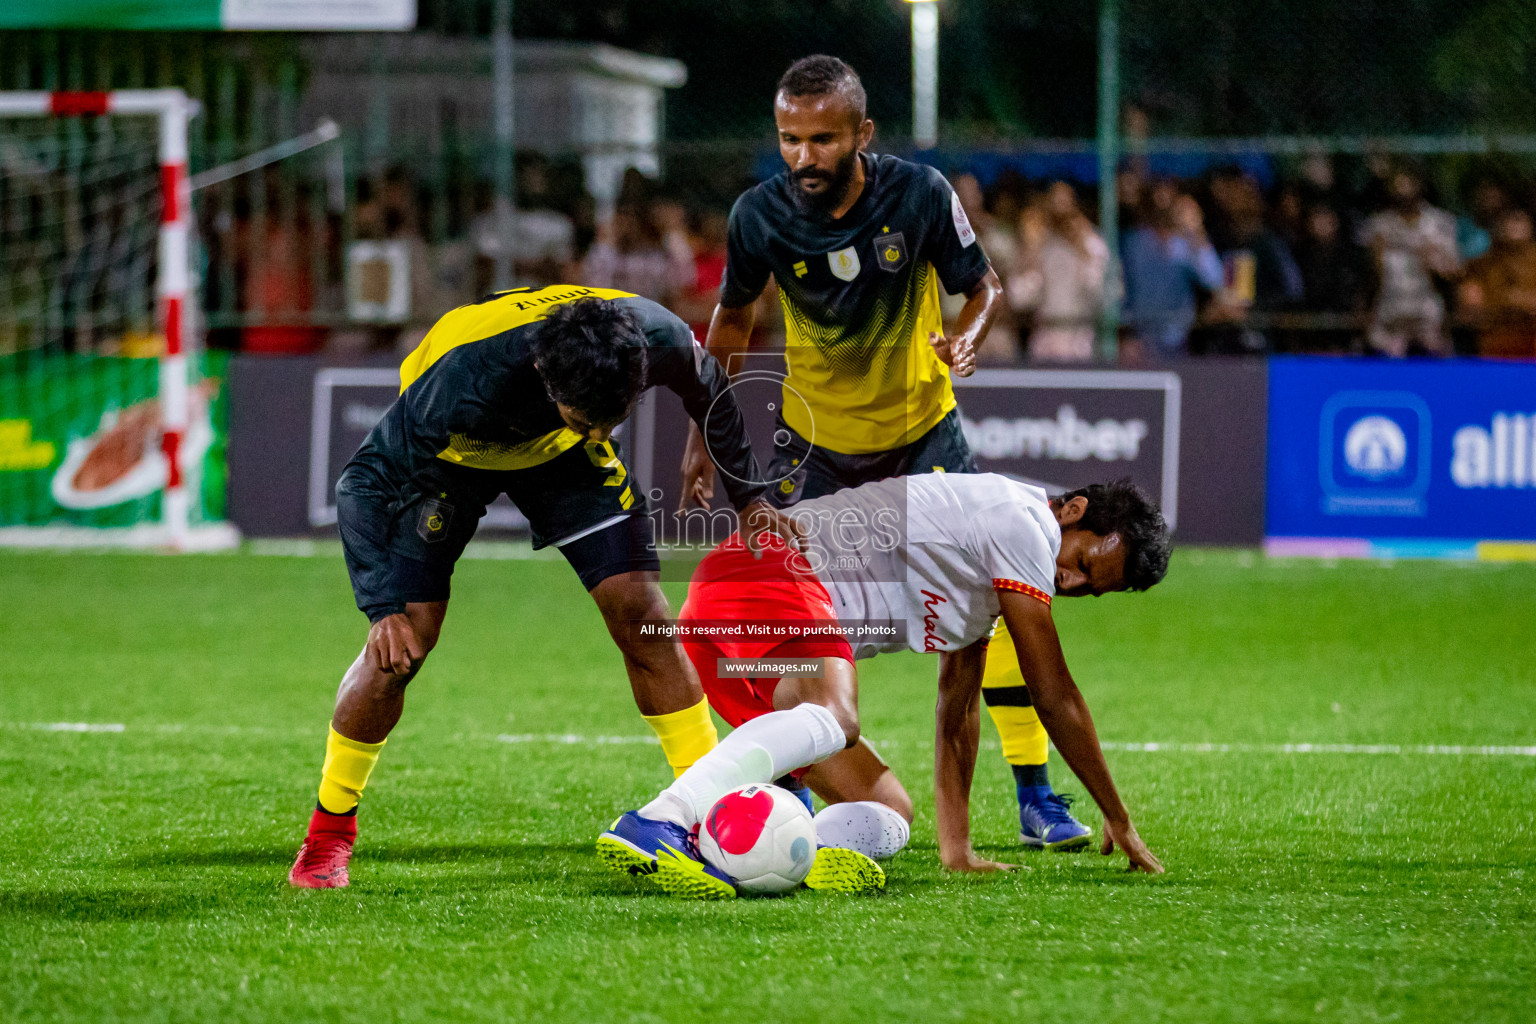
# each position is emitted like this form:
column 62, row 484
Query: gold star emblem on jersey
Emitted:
column 891, row 251
column 800, row 268
column 844, row 263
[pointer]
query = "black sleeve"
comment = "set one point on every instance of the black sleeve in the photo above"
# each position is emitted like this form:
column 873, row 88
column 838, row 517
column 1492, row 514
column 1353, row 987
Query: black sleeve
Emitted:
column 746, row 268
column 678, row 363
column 950, row 243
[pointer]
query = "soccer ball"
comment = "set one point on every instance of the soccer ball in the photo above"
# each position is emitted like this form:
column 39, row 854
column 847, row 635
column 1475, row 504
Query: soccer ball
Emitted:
column 761, row 836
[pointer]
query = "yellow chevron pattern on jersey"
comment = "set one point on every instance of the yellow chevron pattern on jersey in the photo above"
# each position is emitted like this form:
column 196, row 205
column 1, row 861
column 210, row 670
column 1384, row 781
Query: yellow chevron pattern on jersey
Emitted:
column 871, row 387
column 498, row 314
column 502, row 312
column 464, row 450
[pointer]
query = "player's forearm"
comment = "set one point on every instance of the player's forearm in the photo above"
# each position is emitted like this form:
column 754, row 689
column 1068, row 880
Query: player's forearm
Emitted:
column 982, row 305
column 730, row 333
column 957, row 725
column 1067, row 720
column 954, row 767
column 1056, row 698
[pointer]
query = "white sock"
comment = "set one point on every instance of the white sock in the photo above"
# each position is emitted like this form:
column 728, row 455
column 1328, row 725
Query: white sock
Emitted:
column 872, row 828
column 760, row 751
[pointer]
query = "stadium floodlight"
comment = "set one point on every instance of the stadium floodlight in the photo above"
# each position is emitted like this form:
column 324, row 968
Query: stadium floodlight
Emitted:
column 97, row 215
column 925, row 73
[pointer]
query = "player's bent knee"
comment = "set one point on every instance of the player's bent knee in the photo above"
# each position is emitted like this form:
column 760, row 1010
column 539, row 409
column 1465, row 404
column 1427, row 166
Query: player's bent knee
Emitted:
column 847, row 715
column 630, row 598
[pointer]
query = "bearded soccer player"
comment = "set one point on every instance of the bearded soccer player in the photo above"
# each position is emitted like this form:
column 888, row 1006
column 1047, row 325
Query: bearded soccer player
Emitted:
column 965, row 549
column 859, row 245
column 517, row 394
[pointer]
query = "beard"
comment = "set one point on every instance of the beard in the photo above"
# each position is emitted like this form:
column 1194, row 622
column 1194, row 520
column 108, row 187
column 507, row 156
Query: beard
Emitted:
column 839, row 181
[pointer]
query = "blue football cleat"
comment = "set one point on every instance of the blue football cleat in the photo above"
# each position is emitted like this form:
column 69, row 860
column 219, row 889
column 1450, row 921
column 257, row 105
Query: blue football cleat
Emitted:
column 681, row 871
column 1045, row 821
column 631, row 843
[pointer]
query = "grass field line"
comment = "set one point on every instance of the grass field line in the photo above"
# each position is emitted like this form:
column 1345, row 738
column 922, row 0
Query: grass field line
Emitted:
column 1136, row 748
column 579, row 739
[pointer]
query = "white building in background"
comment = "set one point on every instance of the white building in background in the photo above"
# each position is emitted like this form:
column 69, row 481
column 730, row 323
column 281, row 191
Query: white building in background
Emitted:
column 402, row 96
column 598, row 101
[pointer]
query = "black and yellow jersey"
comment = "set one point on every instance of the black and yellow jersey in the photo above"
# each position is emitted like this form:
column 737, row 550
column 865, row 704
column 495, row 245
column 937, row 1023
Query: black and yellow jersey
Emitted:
column 860, row 296
column 471, row 397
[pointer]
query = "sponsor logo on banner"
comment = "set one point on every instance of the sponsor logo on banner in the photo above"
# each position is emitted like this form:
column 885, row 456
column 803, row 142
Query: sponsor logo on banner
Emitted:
column 962, row 222
column 1067, row 436
column 1401, row 458
column 1502, row 454
column 1374, row 456
column 1375, row 447
column 1064, row 429
column 844, row 263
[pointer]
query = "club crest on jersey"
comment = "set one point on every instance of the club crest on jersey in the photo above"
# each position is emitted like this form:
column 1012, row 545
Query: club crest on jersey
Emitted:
column 891, row 251
column 433, row 524
column 844, row 263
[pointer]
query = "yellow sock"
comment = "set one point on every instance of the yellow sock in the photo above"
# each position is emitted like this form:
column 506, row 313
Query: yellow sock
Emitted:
column 685, row 735
column 1002, row 687
column 348, row 764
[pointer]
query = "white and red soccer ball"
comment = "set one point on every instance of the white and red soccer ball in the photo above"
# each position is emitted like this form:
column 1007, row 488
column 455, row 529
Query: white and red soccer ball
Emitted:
column 760, row 835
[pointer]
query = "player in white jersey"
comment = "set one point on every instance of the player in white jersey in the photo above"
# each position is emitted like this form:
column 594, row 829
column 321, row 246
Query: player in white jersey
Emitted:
column 922, row 562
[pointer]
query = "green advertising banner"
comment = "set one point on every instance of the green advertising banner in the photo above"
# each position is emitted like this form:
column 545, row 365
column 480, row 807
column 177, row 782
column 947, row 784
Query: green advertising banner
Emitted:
column 80, row 441
column 294, row 15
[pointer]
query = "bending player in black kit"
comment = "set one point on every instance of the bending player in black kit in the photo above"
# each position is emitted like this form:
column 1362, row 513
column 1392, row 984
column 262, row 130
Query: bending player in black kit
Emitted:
column 518, row 394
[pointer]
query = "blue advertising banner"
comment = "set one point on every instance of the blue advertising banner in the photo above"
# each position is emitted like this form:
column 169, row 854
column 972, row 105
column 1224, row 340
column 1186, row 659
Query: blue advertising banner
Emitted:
column 1421, row 458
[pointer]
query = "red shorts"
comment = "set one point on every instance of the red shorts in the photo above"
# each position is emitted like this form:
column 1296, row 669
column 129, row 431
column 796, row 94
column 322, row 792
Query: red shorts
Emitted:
column 777, row 590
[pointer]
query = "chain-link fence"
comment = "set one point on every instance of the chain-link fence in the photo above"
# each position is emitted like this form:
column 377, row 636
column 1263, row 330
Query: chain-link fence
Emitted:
column 1263, row 141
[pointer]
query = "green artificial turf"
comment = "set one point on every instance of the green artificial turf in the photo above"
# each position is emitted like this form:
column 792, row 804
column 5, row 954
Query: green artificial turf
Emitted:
column 142, row 872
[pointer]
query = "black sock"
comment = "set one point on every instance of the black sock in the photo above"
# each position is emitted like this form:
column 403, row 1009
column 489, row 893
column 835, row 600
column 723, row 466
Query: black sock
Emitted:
column 1031, row 775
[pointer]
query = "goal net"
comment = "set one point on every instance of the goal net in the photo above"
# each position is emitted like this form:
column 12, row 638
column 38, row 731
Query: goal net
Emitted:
column 110, row 414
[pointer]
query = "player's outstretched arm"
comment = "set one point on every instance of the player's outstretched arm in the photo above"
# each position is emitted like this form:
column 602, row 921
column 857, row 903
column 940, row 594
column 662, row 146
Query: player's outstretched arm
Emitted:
column 958, row 728
column 982, row 304
column 1065, row 716
column 730, row 331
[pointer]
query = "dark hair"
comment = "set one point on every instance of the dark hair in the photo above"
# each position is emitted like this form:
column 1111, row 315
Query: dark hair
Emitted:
column 592, row 356
column 819, row 75
column 1121, row 507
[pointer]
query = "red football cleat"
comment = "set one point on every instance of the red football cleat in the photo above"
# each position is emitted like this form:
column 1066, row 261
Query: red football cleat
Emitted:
column 322, row 860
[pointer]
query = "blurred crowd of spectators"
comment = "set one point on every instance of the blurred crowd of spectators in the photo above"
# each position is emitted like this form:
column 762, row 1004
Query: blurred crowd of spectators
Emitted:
column 1220, row 264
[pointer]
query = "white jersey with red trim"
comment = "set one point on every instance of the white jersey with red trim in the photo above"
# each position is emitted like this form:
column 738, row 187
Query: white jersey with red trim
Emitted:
column 917, row 561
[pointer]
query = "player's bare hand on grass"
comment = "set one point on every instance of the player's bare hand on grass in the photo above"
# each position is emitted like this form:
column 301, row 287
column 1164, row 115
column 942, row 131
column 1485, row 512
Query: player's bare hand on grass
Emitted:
column 959, row 354
column 970, row 862
column 698, row 473
column 1123, row 834
column 759, row 518
column 393, row 645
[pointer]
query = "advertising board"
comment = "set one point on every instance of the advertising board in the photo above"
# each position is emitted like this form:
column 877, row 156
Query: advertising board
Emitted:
column 1420, row 458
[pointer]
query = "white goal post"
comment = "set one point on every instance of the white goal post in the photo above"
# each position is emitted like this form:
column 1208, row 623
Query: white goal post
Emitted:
column 171, row 110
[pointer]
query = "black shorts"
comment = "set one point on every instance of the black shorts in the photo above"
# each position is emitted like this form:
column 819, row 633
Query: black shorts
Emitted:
column 802, row 471
column 401, row 542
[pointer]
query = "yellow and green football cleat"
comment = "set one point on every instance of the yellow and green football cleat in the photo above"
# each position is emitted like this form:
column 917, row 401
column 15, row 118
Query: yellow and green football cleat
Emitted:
column 631, row 843
column 840, row 870
column 689, row 878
